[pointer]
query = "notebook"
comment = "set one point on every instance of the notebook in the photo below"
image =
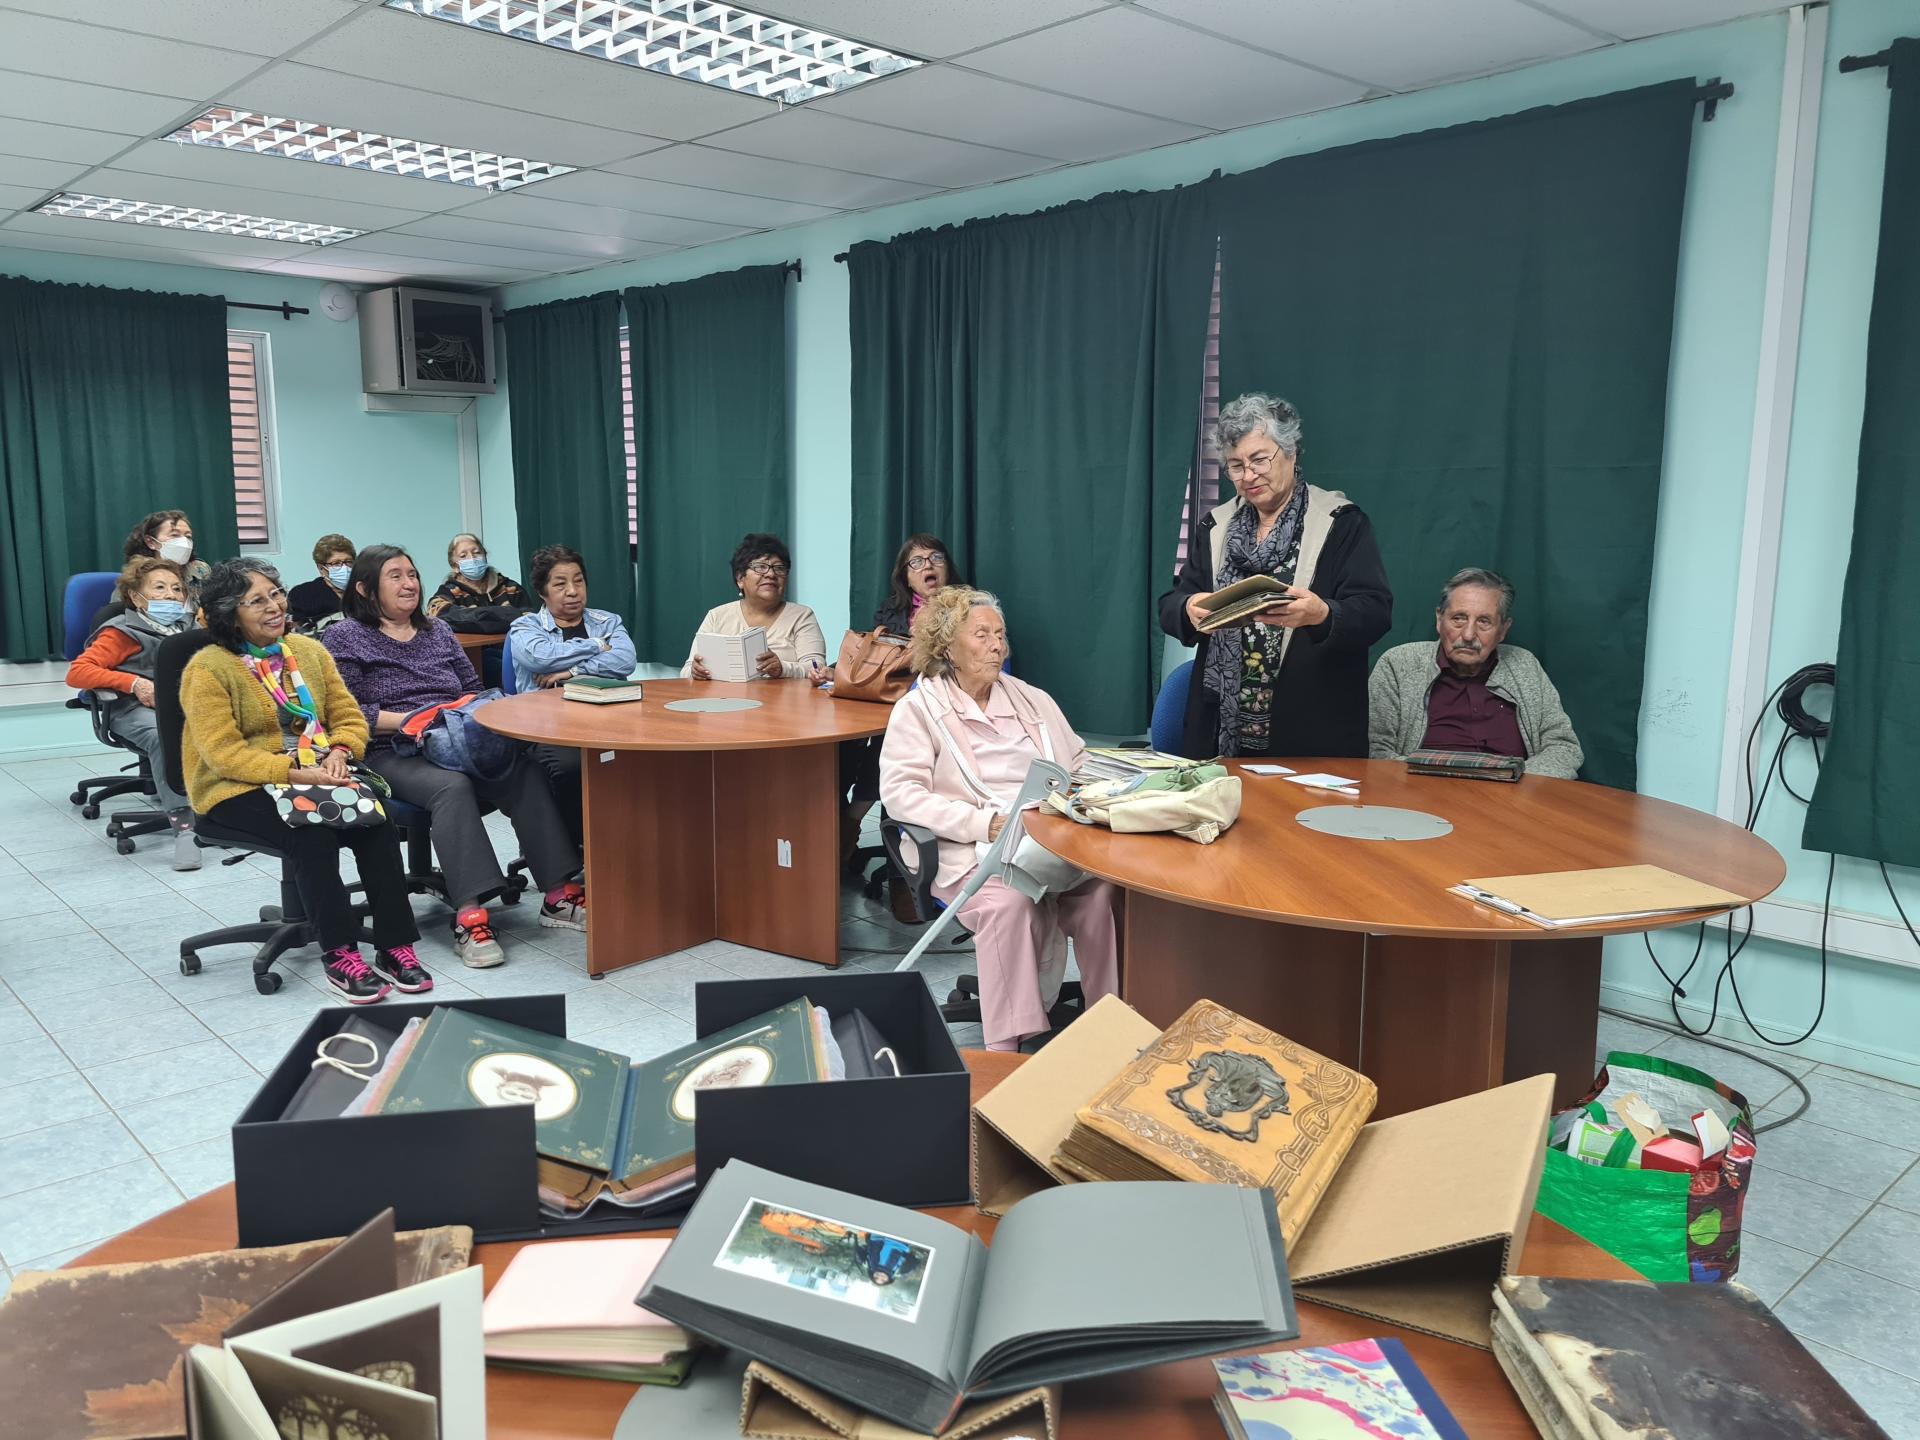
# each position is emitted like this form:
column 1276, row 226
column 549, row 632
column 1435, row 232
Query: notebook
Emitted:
column 572, row 1301
column 731, row 657
column 1591, row 897
column 1238, row 601
column 1361, row 1390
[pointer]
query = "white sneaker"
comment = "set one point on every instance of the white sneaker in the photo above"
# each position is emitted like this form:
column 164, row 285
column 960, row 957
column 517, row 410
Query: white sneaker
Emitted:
column 473, row 939
column 186, row 853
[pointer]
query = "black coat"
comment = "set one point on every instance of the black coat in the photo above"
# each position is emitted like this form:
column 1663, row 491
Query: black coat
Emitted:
column 897, row 619
column 314, row 600
column 1320, row 695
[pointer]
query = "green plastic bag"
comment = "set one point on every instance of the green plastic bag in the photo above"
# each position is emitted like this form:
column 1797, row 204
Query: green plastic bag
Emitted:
column 1667, row 1226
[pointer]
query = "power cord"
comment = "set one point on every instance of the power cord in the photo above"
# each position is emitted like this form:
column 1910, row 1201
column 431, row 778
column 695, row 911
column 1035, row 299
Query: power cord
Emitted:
column 1792, row 1079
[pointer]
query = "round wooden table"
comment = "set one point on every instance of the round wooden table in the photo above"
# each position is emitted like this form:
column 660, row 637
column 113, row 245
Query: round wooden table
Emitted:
column 1357, row 949
column 1167, row 1402
column 705, row 825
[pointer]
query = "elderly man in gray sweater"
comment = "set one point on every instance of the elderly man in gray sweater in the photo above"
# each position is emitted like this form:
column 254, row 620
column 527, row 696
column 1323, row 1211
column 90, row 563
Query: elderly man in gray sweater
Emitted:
column 1470, row 692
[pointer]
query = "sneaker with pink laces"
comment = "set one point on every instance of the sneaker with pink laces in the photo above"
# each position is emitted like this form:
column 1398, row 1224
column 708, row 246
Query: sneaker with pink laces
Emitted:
column 349, row 976
column 403, row 968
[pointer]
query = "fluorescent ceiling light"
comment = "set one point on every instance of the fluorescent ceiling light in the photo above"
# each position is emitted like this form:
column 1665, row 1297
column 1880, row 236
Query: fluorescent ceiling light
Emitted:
column 186, row 217
column 704, row 40
column 224, row 128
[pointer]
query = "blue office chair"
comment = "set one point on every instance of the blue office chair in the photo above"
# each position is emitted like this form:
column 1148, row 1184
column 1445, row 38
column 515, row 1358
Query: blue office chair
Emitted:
column 87, row 595
column 1167, row 730
column 509, row 685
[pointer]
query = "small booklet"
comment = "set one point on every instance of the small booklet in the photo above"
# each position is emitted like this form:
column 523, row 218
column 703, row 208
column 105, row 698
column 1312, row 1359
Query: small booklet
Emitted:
column 571, row 1302
column 731, row 657
column 909, row 1317
column 600, row 690
column 1363, row 1389
column 1232, row 605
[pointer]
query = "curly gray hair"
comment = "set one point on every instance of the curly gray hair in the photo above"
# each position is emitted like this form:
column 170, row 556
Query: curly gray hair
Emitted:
column 940, row 619
column 1486, row 580
column 222, row 591
column 1244, row 414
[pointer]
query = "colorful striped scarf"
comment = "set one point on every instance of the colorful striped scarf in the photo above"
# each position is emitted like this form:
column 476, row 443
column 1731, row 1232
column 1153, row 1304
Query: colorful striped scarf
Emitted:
column 274, row 667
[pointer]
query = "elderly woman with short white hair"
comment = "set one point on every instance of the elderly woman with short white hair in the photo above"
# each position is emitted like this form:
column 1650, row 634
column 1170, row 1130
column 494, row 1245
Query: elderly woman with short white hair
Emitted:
column 1292, row 679
column 956, row 753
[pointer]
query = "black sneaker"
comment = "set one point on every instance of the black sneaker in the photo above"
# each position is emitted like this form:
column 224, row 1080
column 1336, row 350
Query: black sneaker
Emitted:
column 403, row 968
column 348, row 974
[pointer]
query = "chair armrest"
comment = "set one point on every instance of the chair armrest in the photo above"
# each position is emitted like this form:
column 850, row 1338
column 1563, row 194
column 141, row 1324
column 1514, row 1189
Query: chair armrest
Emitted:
column 925, row 866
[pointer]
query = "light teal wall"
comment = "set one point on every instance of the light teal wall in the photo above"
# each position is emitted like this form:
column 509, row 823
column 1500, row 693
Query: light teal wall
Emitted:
column 372, row 477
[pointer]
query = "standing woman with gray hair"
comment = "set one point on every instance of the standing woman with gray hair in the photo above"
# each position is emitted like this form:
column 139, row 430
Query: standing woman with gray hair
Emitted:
column 1293, row 679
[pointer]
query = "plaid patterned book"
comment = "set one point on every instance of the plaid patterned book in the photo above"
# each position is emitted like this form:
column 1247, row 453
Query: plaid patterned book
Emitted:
column 1466, row 764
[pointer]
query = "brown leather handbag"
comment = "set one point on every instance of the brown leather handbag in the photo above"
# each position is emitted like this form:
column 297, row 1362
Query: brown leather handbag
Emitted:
column 872, row 666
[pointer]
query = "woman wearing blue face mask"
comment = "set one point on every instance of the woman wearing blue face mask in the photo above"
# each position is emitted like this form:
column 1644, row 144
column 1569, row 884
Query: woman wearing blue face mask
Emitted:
column 315, row 604
column 118, row 664
column 473, row 584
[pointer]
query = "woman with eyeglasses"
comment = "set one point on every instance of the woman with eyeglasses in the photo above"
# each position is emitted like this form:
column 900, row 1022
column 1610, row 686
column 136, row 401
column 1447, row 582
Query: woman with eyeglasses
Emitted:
column 472, row 583
column 1292, row 679
column 923, row 566
column 796, row 650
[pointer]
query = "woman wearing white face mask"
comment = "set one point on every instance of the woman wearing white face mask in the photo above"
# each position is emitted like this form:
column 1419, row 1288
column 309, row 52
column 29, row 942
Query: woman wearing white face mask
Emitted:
column 119, row 662
column 168, row 535
column 315, row 604
column 473, row 583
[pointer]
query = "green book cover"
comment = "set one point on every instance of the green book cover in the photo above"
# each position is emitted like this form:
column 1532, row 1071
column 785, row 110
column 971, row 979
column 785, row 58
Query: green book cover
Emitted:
column 601, row 682
column 467, row 1060
column 780, row 1047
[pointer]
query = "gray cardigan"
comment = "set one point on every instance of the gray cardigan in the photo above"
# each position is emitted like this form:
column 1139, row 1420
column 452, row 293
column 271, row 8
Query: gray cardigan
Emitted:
column 1397, row 706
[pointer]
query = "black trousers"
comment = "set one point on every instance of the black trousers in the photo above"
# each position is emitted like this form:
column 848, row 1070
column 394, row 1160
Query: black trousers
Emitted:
column 314, row 853
column 860, row 769
column 562, row 764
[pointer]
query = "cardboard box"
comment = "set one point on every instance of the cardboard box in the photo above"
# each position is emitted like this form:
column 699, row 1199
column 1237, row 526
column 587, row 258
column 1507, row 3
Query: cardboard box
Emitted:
column 1019, row 1124
column 1428, row 1211
column 902, row 1140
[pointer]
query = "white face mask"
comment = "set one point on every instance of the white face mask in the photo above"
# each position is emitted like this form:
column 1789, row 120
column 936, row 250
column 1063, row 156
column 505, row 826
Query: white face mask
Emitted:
column 178, row 550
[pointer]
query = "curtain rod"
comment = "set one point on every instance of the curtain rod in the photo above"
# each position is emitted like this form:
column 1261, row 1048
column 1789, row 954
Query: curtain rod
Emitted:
column 1875, row 61
column 286, row 309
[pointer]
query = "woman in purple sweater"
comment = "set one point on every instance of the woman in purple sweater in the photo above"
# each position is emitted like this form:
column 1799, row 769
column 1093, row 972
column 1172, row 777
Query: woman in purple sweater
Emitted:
column 395, row 660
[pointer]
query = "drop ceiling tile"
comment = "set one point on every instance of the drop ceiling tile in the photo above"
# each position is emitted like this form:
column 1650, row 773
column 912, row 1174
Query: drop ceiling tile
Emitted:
column 1631, row 19
column 1129, row 57
column 931, row 28
column 157, row 238
column 427, row 54
column 269, row 29
column 962, row 105
column 294, row 177
column 569, row 245
column 246, row 199
column 92, row 107
column 19, row 197
column 387, row 269
column 424, row 248
column 60, row 142
column 16, row 239
column 306, row 93
column 1395, row 44
column 32, row 170
column 598, row 220
column 74, row 50
column 807, row 134
column 656, row 197
column 775, row 179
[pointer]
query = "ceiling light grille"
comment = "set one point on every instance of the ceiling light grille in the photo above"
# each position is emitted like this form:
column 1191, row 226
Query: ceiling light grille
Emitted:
column 224, row 128
column 186, row 217
column 703, row 40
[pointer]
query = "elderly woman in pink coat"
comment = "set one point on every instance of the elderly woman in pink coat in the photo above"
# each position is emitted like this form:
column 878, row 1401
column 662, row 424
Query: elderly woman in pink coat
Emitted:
column 956, row 752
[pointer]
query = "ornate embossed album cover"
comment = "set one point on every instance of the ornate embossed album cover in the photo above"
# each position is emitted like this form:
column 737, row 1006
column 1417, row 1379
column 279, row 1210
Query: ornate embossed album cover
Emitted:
column 1219, row 1098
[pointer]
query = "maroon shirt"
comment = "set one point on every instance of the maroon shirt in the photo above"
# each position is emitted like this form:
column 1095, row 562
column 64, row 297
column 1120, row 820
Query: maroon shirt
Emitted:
column 1463, row 714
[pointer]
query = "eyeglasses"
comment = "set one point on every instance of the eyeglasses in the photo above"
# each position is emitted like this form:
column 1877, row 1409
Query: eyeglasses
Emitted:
column 771, row 569
column 262, row 602
column 926, row 562
column 1255, row 464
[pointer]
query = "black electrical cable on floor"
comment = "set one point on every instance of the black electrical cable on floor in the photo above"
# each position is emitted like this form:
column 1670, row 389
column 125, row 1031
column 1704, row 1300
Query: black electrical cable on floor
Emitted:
column 1806, row 1100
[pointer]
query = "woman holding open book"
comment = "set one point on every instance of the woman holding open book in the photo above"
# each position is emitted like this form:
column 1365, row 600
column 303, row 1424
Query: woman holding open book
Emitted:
column 957, row 751
column 796, row 650
column 1288, row 677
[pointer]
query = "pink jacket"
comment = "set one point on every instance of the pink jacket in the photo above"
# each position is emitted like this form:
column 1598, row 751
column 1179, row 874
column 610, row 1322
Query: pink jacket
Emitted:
column 922, row 784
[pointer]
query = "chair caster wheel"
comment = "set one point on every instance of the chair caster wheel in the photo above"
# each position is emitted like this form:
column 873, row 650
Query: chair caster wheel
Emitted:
column 124, row 845
column 189, row 964
column 510, row 895
column 79, row 797
column 269, row 914
column 90, row 811
column 266, row 984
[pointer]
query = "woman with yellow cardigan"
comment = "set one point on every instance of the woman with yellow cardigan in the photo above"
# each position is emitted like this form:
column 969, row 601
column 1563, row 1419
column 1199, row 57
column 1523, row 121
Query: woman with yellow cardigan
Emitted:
column 265, row 707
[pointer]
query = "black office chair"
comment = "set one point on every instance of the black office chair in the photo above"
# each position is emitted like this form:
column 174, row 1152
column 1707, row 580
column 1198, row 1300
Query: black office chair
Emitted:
column 86, row 605
column 962, row 1005
column 281, row 927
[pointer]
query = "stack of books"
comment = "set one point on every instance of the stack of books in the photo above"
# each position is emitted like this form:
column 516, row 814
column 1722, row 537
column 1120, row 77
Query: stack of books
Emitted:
column 1117, row 763
column 600, row 690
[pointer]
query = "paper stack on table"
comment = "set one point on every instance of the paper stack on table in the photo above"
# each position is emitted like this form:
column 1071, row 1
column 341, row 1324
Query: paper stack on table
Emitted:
column 731, row 657
column 1320, row 780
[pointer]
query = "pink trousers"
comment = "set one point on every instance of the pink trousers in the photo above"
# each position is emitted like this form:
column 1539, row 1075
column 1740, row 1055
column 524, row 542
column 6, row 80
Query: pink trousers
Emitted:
column 1012, row 936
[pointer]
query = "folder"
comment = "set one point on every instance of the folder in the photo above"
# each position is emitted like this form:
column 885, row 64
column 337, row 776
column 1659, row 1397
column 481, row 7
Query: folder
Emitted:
column 1584, row 897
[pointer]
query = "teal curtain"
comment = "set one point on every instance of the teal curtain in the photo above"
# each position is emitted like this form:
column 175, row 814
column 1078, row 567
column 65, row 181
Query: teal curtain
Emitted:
column 1028, row 388
column 710, row 425
column 113, row 404
column 569, row 446
column 1475, row 323
column 1863, row 802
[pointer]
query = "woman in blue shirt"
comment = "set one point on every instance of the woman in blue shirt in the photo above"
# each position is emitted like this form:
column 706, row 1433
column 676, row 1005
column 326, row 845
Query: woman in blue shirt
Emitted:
column 564, row 639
